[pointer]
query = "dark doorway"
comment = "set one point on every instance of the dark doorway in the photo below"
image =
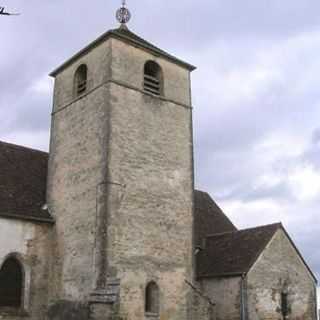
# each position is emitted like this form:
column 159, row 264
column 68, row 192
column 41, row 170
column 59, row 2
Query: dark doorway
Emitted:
column 11, row 284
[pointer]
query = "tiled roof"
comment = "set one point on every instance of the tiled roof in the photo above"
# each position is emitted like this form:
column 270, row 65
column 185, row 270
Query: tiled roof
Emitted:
column 233, row 253
column 209, row 218
column 23, row 176
column 128, row 36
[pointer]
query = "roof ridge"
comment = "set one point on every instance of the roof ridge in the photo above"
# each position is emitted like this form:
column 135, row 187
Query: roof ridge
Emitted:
column 278, row 224
column 17, row 146
column 127, row 33
column 198, row 190
column 133, row 37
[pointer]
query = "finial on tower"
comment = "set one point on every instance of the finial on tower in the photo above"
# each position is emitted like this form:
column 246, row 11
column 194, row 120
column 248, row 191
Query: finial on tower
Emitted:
column 123, row 14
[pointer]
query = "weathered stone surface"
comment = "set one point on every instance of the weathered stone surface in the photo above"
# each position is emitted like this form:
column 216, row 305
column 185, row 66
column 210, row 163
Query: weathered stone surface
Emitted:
column 68, row 310
column 109, row 295
column 279, row 268
column 31, row 244
column 225, row 294
column 150, row 153
column 120, row 182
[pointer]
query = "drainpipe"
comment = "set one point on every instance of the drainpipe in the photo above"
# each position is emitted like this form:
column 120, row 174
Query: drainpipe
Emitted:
column 316, row 302
column 243, row 297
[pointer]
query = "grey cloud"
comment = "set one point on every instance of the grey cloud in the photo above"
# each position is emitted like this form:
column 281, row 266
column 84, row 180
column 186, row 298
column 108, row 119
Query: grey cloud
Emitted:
column 279, row 192
column 312, row 153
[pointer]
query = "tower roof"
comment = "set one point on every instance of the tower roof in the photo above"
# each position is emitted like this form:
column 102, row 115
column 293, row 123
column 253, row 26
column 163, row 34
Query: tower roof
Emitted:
column 124, row 34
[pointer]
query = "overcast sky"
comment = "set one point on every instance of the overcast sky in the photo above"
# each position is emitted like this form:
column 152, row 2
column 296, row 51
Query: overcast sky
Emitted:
column 256, row 93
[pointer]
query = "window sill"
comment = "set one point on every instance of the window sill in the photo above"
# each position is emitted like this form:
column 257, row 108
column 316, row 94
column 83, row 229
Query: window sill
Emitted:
column 160, row 96
column 13, row 312
column 152, row 315
column 80, row 95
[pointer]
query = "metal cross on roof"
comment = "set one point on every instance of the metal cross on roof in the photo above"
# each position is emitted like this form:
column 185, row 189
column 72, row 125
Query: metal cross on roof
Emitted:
column 123, row 14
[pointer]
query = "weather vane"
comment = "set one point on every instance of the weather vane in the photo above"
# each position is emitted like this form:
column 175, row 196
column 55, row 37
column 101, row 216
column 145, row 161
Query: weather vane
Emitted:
column 123, row 14
column 4, row 13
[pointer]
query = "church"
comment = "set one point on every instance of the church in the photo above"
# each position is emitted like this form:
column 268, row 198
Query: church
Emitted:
column 108, row 224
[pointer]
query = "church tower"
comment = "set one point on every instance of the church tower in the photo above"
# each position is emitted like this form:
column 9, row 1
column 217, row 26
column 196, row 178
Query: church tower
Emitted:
column 120, row 182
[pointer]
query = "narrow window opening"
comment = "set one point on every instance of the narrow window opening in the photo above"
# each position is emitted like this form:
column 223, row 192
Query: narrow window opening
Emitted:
column 284, row 304
column 80, row 80
column 11, row 284
column 152, row 78
column 152, row 299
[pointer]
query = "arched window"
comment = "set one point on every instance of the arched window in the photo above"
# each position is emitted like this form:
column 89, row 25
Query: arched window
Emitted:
column 11, row 283
column 153, row 82
column 80, row 80
column 152, row 303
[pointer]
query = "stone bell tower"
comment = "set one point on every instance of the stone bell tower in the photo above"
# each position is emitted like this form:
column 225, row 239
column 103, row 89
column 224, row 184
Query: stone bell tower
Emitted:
column 121, row 180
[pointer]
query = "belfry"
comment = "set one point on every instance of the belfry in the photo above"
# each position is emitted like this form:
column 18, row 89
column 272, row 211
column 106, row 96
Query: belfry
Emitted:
column 109, row 226
column 128, row 187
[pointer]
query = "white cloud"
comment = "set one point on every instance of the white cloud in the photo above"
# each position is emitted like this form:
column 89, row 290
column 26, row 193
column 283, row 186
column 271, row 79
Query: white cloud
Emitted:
column 305, row 183
column 282, row 144
column 253, row 213
column 43, row 86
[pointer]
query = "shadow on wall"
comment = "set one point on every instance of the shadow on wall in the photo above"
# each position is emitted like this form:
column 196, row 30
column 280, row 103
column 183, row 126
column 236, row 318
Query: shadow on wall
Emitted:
column 68, row 310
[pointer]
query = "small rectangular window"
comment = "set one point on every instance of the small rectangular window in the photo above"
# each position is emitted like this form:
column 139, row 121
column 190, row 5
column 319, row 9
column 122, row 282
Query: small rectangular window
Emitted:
column 284, row 304
column 152, row 296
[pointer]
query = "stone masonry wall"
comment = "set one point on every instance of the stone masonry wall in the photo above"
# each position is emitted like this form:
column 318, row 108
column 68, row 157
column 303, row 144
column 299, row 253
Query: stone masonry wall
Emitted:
column 78, row 152
column 150, row 162
column 31, row 244
column 224, row 293
column 120, row 186
column 279, row 268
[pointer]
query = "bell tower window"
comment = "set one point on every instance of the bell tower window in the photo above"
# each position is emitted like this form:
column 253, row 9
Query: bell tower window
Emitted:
column 153, row 78
column 80, row 80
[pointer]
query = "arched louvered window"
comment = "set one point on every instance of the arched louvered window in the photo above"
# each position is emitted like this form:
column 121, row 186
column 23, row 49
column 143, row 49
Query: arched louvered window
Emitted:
column 11, row 283
column 152, row 298
column 153, row 80
column 81, row 80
